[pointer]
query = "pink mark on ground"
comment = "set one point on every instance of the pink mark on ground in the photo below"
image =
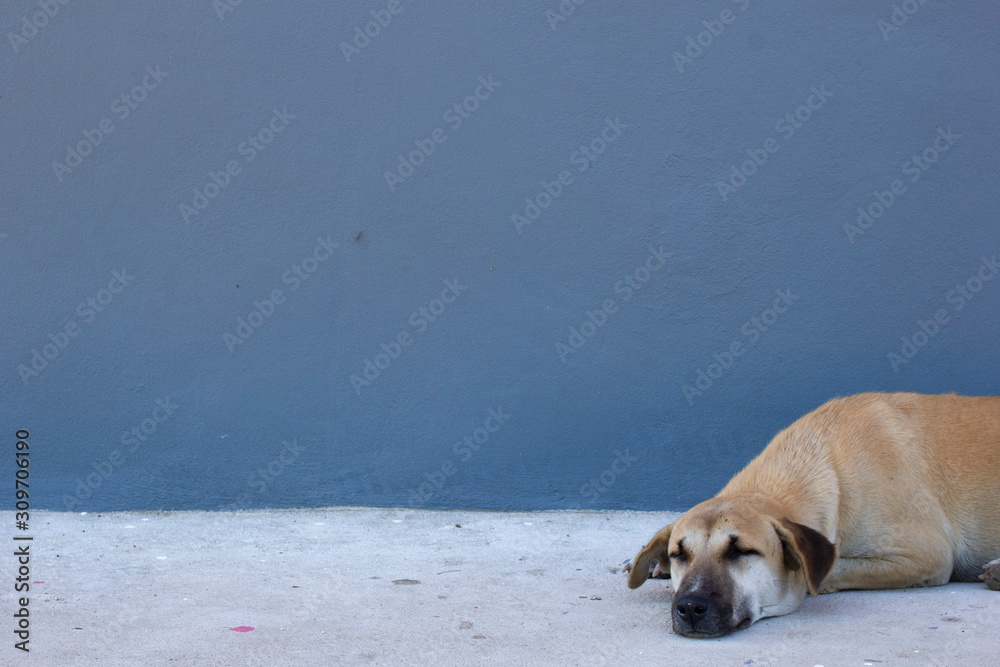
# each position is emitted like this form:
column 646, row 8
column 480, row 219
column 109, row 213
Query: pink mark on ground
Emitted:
column 242, row 628
column 38, row 582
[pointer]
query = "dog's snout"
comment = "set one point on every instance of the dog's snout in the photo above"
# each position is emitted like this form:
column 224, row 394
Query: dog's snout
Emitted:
column 702, row 614
column 692, row 609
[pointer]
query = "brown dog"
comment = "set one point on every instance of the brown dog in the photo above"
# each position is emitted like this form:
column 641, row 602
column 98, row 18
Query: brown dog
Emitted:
column 870, row 491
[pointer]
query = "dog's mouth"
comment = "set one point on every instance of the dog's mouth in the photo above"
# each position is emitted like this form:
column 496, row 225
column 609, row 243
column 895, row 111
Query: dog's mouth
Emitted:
column 698, row 634
column 745, row 623
column 711, row 634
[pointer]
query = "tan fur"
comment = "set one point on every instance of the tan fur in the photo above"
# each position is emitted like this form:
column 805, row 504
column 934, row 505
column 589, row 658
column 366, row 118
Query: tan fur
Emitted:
column 904, row 487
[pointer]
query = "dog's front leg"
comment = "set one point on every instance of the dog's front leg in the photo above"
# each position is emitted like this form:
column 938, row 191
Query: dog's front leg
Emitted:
column 888, row 570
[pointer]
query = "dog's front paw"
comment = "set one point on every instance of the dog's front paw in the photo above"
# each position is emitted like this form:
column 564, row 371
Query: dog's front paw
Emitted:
column 654, row 570
column 992, row 575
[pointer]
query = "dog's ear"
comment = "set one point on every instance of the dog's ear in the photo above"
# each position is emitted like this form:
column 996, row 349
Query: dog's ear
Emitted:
column 655, row 550
column 806, row 548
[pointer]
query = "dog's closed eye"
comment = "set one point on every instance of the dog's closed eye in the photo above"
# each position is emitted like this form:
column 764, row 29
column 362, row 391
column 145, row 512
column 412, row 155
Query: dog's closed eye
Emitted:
column 735, row 552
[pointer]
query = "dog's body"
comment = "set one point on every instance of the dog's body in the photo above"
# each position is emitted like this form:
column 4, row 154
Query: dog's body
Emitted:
column 870, row 491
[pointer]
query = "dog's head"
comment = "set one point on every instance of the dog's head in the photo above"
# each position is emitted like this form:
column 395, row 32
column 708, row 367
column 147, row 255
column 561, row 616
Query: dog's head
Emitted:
column 732, row 562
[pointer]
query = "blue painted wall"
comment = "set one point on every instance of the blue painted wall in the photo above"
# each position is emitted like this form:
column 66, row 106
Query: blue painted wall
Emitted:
column 634, row 234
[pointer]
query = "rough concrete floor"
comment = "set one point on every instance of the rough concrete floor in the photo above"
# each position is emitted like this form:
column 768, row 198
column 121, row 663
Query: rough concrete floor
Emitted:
column 403, row 587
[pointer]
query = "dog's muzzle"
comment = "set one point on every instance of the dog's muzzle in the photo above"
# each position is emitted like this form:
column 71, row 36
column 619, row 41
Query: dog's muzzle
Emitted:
column 702, row 616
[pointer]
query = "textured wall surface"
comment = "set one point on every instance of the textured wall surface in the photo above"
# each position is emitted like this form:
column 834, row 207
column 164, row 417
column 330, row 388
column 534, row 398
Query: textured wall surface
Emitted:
column 487, row 255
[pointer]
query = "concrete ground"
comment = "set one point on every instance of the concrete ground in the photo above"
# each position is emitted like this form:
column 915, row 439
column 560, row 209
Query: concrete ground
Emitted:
column 405, row 587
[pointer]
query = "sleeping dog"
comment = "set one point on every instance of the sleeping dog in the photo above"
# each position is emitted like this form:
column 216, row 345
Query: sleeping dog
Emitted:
column 872, row 491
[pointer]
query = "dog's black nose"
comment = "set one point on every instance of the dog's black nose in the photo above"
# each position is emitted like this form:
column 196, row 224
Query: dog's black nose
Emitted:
column 692, row 609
